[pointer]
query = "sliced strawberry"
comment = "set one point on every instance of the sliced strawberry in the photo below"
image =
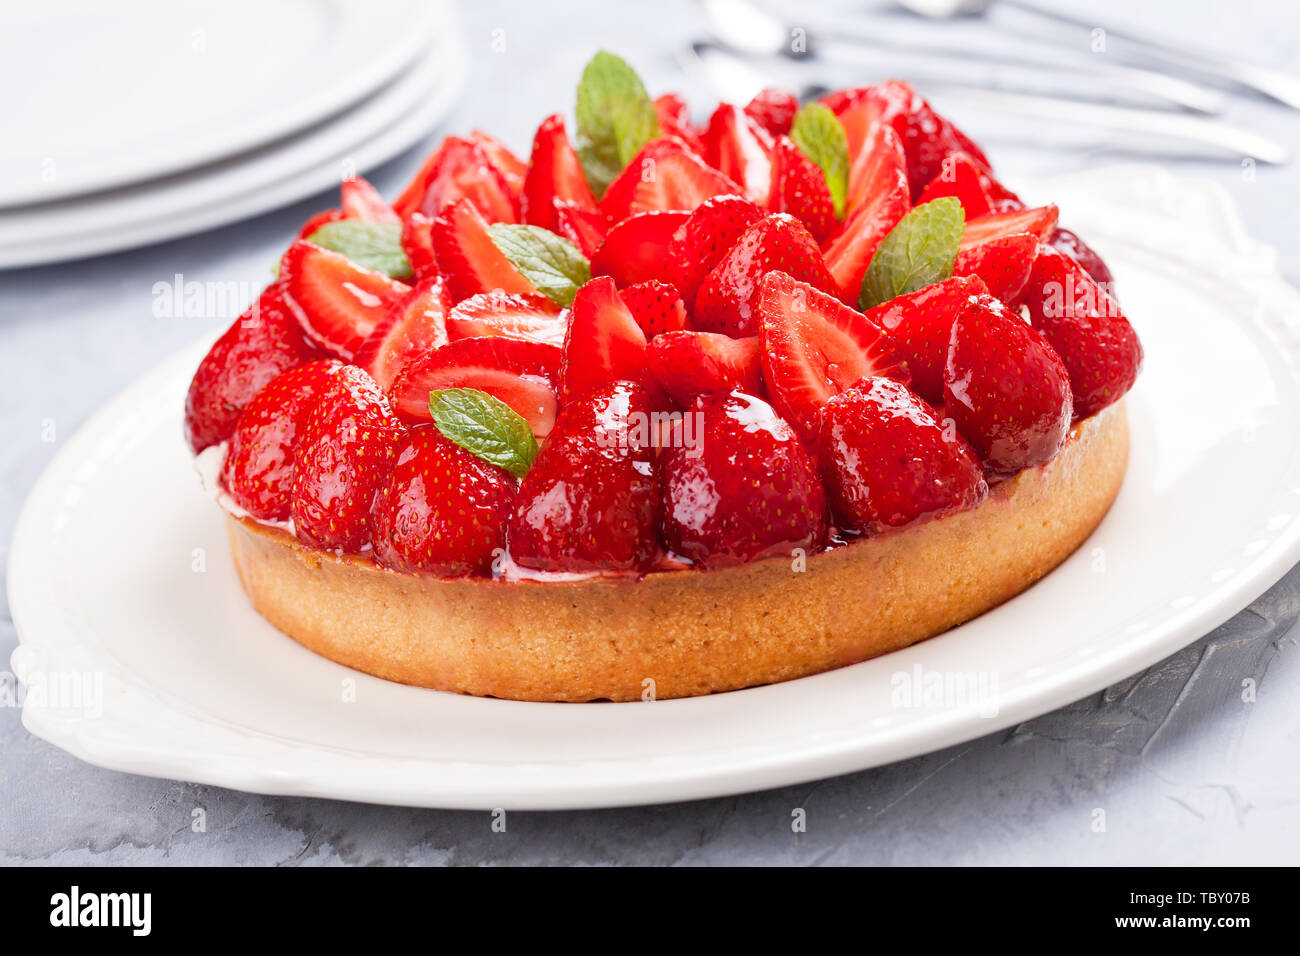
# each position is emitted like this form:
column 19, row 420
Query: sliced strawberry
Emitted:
column 337, row 302
column 511, row 167
column 727, row 299
column 921, row 325
column 554, row 173
column 690, row 364
column 258, row 470
column 589, row 502
column 585, row 228
column 799, row 188
column 521, row 374
column 738, row 147
column 530, row 317
column 1003, row 263
column 264, row 341
column 415, row 325
column 636, row 249
column 888, row 461
column 1087, row 329
column 417, row 243
column 961, row 178
column 927, row 138
column 443, row 509
column 1063, row 240
column 814, row 346
column 773, row 110
column 704, row 239
column 656, row 306
column 665, row 175
column 604, row 342
column 460, row 169
column 362, row 201
column 877, row 166
column 1005, row 388
column 320, row 219
column 1040, row 221
column 675, row 120
column 743, row 490
column 467, row 256
column 878, row 198
column 342, row 461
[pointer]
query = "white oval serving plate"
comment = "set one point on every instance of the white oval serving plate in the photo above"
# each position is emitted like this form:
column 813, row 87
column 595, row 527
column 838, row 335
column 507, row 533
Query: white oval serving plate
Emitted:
column 119, row 572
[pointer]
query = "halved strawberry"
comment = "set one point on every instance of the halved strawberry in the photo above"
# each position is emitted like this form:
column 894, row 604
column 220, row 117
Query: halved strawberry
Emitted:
column 585, row 228
column 799, row 188
column 665, row 175
column 878, row 199
column 589, row 502
column 1003, row 263
column 521, row 374
column 876, row 166
column 961, row 178
column 554, row 173
column 689, row 364
column 636, row 249
column 656, row 306
column 443, row 509
column 604, row 342
column 738, row 147
column 704, row 239
column 1005, row 388
column 258, row 470
column 888, row 461
column 1086, row 328
column 814, row 346
column 362, row 201
column 675, row 120
column 927, row 138
column 415, row 325
column 1063, row 240
column 511, row 167
column 337, row 302
column 460, row 169
column 531, row 317
column 744, row 490
column 1040, row 221
column 921, row 325
column 467, row 256
column 727, row 298
column 264, row 341
column 320, row 219
column 417, row 243
column 341, row 462
column 773, row 110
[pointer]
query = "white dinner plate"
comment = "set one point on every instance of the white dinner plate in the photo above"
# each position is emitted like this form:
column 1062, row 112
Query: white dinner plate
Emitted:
column 119, row 572
column 178, row 85
column 393, row 120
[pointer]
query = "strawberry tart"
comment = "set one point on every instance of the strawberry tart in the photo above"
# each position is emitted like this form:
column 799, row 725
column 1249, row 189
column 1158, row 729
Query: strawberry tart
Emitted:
column 664, row 409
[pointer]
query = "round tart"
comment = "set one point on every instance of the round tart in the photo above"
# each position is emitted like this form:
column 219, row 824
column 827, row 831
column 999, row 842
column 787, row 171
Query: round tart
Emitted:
column 695, row 409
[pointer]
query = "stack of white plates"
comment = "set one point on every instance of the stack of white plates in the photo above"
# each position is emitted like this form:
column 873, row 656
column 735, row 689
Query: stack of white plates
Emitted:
column 135, row 122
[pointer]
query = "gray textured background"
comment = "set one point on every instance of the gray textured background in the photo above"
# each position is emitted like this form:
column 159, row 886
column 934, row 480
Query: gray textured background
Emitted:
column 1184, row 769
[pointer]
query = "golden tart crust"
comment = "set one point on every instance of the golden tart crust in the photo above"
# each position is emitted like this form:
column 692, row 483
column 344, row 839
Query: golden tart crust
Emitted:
column 685, row 633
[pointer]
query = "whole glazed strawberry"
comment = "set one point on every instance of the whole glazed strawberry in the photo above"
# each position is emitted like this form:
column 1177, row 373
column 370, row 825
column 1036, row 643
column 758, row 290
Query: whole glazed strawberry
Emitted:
column 653, row 346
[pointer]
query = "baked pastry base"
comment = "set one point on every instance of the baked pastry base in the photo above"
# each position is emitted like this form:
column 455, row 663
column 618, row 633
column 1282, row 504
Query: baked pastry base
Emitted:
column 684, row 633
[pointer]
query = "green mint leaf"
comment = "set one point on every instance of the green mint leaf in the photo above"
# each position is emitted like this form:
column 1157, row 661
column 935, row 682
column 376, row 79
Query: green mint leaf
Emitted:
column 371, row 245
column 485, row 426
column 616, row 117
column 918, row 252
column 549, row 262
column 818, row 134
